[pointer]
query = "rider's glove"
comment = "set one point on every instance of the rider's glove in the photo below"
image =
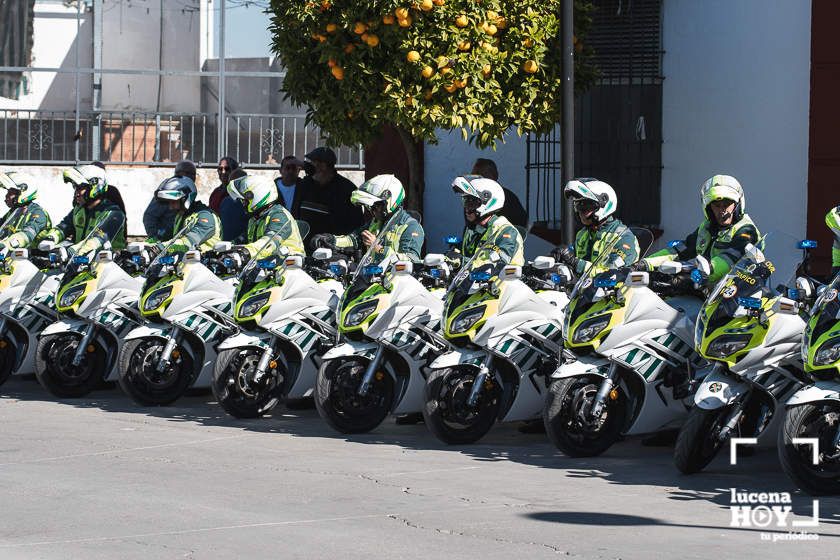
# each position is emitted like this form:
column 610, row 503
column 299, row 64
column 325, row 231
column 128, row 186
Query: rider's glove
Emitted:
column 683, row 282
column 238, row 257
column 566, row 255
column 326, row 240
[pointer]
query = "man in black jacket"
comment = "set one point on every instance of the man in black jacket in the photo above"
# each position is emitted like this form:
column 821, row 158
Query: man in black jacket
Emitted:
column 325, row 197
column 513, row 209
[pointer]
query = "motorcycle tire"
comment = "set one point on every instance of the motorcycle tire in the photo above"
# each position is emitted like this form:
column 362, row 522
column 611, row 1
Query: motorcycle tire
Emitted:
column 339, row 403
column 232, row 387
column 697, row 444
column 447, row 413
column 8, row 357
column 141, row 381
column 54, row 371
column 796, row 460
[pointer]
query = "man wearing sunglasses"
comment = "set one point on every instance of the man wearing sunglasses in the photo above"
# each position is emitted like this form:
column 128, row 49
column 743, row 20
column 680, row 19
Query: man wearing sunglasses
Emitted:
column 595, row 202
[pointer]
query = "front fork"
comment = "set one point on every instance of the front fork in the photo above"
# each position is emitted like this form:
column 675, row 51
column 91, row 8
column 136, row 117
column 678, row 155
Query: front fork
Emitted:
column 734, row 417
column 370, row 372
column 81, row 349
column 265, row 359
column 607, row 385
column 475, row 391
column 165, row 356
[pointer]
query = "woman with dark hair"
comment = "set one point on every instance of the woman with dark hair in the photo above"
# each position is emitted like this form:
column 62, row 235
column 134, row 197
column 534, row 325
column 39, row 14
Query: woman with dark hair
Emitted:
column 227, row 165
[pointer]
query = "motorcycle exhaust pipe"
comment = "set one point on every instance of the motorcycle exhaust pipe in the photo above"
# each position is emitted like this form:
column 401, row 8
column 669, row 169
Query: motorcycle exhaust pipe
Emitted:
column 82, row 347
column 367, row 379
column 163, row 360
column 477, row 385
column 603, row 391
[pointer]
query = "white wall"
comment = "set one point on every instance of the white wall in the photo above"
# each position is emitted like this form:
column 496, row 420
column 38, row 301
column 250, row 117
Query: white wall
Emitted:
column 736, row 101
column 136, row 184
column 443, row 214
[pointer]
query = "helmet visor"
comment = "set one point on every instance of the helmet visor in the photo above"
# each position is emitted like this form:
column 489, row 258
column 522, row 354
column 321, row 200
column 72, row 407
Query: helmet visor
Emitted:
column 585, row 205
column 170, row 195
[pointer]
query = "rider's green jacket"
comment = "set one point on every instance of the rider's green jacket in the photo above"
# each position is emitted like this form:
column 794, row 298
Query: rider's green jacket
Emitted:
column 263, row 224
column 498, row 235
column 612, row 235
column 832, row 220
column 405, row 238
column 202, row 229
column 106, row 222
column 23, row 225
column 722, row 246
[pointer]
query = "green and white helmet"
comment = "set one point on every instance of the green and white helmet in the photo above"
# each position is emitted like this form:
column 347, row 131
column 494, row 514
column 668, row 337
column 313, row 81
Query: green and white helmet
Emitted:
column 14, row 180
column 598, row 192
column 178, row 188
column 489, row 192
column 255, row 192
column 91, row 176
column 723, row 187
column 382, row 188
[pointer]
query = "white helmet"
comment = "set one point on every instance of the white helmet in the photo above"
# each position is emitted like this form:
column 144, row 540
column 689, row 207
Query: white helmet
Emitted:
column 723, row 187
column 254, row 191
column 596, row 191
column 178, row 188
column 489, row 192
column 382, row 188
column 21, row 182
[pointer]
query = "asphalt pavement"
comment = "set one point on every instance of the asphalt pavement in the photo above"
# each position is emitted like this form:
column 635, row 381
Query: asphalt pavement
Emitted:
column 101, row 478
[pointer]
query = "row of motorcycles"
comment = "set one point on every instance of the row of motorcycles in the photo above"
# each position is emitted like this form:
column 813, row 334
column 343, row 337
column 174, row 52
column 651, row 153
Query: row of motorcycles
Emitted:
column 610, row 353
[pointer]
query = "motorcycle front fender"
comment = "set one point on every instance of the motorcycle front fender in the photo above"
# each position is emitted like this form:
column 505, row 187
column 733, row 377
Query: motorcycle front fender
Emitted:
column 585, row 365
column 63, row 326
column 366, row 349
column 821, row 391
column 458, row 357
column 244, row 339
column 148, row 332
column 718, row 390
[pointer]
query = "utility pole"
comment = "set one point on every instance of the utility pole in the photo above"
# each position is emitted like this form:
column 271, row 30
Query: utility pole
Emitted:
column 96, row 118
column 567, row 126
column 220, row 124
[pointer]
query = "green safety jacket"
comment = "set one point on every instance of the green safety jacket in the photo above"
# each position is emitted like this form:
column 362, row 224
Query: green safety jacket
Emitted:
column 264, row 224
column 203, row 229
column 832, row 220
column 723, row 247
column 612, row 234
column 498, row 235
column 23, row 225
column 104, row 222
column 405, row 239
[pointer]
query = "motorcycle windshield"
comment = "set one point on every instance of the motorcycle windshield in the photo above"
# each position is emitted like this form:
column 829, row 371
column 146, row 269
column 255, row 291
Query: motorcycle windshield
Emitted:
column 607, row 260
column 371, row 257
column 164, row 257
column 250, row 273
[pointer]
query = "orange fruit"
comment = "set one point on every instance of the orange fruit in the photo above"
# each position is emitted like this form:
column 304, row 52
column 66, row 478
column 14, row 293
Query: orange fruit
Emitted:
column 359, row 27
column 464, row 46
column 450, row 87
column 409, row 101
column 528, row 42
column 438, row 2
column 490, row 29
column 486, row 69
column 427, row 94
column 427, row 71
column 372, row 40
column 461, row 21
column 331, row 27
column 325, row 5
column 530, row 66
column 446, row 71
column 401, row 13
column 462, row 83
column 405, row 22
column 388, row 19
column 349, row 48
column 412, row 56
column 337, row 72
column 501, row 22
column 426, row 5
column 331, row 62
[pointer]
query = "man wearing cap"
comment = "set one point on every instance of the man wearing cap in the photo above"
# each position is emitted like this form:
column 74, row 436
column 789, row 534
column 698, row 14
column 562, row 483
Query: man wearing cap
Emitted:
column 158, row 219
column 325, row 197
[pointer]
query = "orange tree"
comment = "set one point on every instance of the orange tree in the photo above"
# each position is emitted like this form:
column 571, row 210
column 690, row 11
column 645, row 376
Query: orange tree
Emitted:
column 484, row 67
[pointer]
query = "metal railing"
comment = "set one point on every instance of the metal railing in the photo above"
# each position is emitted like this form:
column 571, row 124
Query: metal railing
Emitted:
column 157, row 138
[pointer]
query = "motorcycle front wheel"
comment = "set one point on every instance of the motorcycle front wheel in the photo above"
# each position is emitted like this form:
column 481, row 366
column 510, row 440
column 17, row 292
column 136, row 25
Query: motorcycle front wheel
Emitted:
column 818, row 421
column 236, row 388
column 447, row 411
column 568, row 422
column 140, row 378
column 699, row 439
column 338, row 400
column 55, row 370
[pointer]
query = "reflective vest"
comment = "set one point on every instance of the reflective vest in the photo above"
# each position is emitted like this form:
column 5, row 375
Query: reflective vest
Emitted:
column 499, row 235
column 272, row 219
column 613, row 236
column 203, row 229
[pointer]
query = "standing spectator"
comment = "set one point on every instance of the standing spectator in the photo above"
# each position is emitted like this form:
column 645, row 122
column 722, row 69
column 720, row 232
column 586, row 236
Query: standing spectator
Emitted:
column 231, row 212
column 227, row 165
column 513, row 209
column 287, row 184
column 325, row 198
column 158, row 218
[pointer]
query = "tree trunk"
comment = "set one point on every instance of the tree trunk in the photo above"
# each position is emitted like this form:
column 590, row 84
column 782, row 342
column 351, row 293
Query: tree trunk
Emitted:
column 416, row 184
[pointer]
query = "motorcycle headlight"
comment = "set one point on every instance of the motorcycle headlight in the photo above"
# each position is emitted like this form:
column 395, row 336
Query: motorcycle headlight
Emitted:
column 465, row 320
column 728, row 345
column 590, row 328
column 69, row 297
column 359, row 313
column 156, row 298
column 252, row 305
column 828, row 353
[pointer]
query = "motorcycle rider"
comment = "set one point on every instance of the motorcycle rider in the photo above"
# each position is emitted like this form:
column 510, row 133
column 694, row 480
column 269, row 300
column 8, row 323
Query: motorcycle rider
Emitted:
column 723, row 235
column 832, row 220
column 595, row 202
column 202, row 226
column 382, row 198
column 25, row 220
column 265, row 217
column 486, row 231
column 91, row 213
